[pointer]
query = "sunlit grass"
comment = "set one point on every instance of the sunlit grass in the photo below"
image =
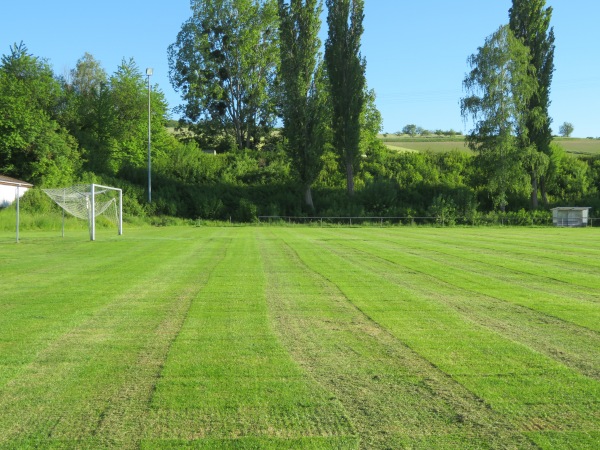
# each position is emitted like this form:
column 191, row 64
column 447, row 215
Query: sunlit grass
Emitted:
column 292, row 337
column 441, row 144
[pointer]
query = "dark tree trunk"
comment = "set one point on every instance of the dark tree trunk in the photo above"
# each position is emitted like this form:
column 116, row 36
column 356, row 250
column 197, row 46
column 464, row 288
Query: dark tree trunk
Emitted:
column 308, row 198
column 534, row 191
column 350, row 178
column 543, row 189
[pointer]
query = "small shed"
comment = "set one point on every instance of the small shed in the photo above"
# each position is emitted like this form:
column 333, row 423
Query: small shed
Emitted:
column 570, row 216
column 8, row 190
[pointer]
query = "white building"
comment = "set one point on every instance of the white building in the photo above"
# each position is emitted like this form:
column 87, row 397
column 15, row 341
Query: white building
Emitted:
column 8, row 190
column 570, row 216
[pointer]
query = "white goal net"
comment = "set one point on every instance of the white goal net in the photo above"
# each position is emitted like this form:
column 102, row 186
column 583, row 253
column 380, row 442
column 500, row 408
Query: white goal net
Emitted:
column 89, row 201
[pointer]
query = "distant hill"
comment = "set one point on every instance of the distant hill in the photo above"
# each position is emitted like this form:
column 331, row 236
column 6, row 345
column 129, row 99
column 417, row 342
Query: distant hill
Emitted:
column 578, row 146
column 437, row 144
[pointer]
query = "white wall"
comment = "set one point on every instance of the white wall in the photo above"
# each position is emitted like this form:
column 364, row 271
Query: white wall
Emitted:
column 8, row 194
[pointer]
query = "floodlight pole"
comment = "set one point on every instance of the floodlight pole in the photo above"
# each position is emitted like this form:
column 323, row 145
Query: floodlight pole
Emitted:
column 149, row 72
column 93, row 213
column 18, row 186
column 63, row 212
column 120, row 218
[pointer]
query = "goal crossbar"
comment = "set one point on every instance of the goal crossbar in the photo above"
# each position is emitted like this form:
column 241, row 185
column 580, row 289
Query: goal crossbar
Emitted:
column 82, row 202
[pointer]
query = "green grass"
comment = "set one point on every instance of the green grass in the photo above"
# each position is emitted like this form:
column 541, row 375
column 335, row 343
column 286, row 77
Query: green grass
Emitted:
column 433, row 144
column 277, row 337
column 580, row 146
column 437, row 144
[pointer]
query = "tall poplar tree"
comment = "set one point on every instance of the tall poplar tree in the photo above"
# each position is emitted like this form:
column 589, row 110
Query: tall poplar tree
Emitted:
column 346, row 72
column 303, row 105
column 530, row 22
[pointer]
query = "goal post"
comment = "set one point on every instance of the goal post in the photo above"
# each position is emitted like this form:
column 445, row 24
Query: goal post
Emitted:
column 102, row 208
column 89, row 201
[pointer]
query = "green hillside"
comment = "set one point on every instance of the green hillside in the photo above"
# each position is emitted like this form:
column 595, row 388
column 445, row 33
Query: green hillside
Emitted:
column 575, row 146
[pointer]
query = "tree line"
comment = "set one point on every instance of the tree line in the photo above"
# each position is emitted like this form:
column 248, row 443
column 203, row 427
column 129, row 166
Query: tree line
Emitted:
column 242, row 64
column 294, row 129
column 57, row 130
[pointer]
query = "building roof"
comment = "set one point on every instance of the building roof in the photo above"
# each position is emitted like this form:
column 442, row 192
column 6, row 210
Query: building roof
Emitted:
column 13, row 181
column 571, row 208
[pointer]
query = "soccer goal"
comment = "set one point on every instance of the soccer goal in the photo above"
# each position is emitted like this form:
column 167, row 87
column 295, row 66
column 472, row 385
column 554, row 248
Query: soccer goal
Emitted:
column 89, row 201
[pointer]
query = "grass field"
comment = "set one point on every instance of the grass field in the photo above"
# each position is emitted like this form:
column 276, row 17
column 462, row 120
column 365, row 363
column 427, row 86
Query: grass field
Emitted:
column 425, row 144
column 445, row 144
column 580, row 146
column 300, row 337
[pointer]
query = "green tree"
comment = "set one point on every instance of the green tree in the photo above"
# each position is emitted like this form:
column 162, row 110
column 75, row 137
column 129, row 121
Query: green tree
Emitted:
column 568, row 176
column 346, row 73
column 410, row 129
column 566, row 129
column 224, row 64
column 594, row 173
column 129, row 124
column 371, row 124
column 86, row 109
column 33, row 145
column 500, row 88
column 529, row 20
column 125, row 122
column 88, row 77
column 303, row 98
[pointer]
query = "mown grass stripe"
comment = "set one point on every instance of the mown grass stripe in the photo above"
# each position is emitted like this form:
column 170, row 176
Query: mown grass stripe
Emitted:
column 572, row 345
column 509, row 285
column 57, row 285
column 227, row 375
column 491, row 272
column 129, row 409
column 516, row 381
column 395, row 398
column 104, row 366
column 553, row 265
column 579, row 246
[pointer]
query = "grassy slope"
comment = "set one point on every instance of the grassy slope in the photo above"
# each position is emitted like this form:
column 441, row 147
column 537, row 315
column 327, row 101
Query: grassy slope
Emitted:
column 580, row 146
column 438, row 145
column 305, row 337
column 433, row 144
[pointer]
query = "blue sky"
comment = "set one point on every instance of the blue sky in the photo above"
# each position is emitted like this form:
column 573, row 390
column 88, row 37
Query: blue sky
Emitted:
column 416, row 50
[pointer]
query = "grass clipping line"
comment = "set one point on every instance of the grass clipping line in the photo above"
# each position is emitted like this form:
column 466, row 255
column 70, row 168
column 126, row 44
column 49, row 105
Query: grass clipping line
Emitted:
column 394, row 397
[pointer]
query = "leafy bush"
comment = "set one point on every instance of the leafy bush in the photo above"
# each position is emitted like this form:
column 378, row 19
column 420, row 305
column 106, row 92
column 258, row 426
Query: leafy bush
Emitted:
column 37, row 202
column 379, row 197
column 443, row 210
column 246, row 211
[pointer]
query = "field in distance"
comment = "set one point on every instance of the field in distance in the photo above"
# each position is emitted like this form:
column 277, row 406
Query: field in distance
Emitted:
column 301, row 337
column 440, row 144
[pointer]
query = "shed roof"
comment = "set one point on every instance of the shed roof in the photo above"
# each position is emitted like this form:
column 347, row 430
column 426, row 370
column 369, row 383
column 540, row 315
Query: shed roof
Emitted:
column 13, row 181
column 571, row 208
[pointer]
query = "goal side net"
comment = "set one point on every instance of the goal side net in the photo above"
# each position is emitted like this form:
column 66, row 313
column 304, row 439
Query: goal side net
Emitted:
column 89, row 201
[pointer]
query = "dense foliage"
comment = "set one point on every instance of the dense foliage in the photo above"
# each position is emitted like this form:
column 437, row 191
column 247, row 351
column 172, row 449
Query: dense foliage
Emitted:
column 92, row 126
column 224, row 64
column 33, row 143
column 529, row 20
column 499, row 89
column 304, row 103
column 346, row 71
